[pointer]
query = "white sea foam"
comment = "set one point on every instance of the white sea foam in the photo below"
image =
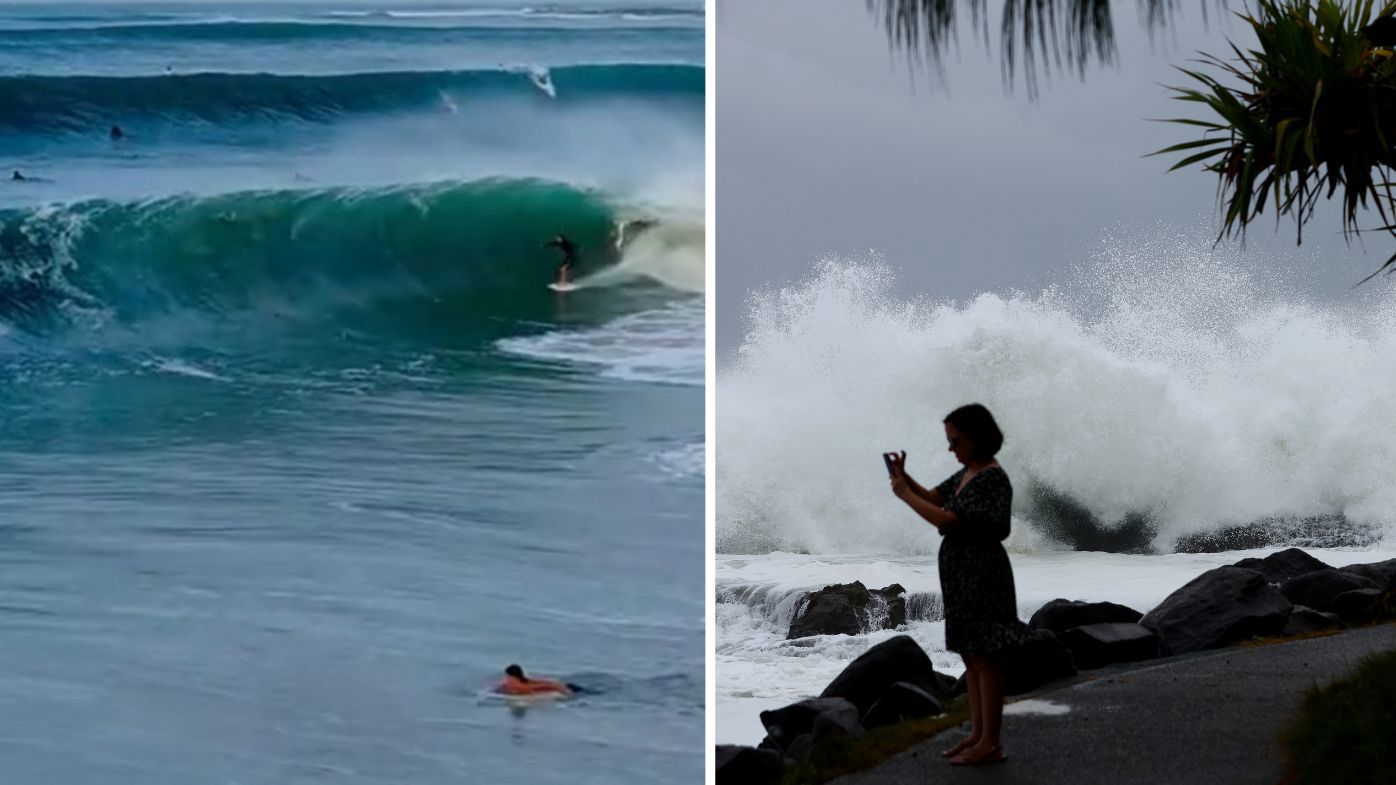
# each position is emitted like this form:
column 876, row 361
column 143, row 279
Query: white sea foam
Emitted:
column 660, row 346
column 1169, row 384
column 683, row 462
column 178, row 367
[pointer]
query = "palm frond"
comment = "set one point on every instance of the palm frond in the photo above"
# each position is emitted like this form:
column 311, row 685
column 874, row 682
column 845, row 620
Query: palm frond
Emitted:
column 1305, row 116
column 1034, row 35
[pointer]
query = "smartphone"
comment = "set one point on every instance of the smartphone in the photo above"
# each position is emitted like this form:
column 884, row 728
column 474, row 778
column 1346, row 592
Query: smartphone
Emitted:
column 891, row 467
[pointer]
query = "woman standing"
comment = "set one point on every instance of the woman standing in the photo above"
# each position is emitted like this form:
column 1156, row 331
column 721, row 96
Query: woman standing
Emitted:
column 971, row 510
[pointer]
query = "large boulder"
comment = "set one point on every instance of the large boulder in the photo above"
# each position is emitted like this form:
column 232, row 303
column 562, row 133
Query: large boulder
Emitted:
column 839, row 723
column 900, row 703
column 1041, row 659
column 1382, row 573
column 748, row 766
column 1318, row 589
column 1304, row 619
column 801, row 748
column 1219, row 607
column 865, row 679
column 1358, row 606
column 1283, row 565
column 1098, row 645
column 850, row 609
column 783, row 725
column 1060, row 615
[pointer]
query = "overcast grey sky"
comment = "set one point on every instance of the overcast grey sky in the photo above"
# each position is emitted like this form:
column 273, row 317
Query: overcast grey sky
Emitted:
column 826, row 145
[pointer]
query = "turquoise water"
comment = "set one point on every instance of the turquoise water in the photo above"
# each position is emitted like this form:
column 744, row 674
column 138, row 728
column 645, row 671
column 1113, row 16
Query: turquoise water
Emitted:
column 298, row 451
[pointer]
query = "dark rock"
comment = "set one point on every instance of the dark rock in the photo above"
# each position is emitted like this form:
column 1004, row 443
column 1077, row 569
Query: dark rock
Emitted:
column 1358, row 606
column 896, row 659
column 1060, row 615
column 1317, row 531
column 1068, row 521
column 900, row 703
column 1219, row 607
column 1319, row 588
column 787, row 722
column 837, row 724
column 850, row 609
column 1305, row 619
column 748, row 765
column 1382, row 573
column 1283, row 565
column 801, row 748
column 1042, row 659
column 1098, row 645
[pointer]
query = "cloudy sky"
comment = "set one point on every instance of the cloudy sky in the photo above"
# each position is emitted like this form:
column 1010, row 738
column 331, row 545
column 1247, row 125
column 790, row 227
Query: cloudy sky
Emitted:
column 826, row 144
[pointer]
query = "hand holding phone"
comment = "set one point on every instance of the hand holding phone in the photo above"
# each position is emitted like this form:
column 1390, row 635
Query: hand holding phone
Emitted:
column 890, row 458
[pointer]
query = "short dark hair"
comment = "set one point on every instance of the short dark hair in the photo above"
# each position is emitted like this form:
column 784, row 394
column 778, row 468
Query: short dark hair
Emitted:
column 977, row 424
column 516, row 672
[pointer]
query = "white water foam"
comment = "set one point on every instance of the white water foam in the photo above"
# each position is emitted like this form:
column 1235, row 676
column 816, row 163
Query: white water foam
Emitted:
column 178, row 367
column 683, row 462
column 662, row 346
column 1170, row 384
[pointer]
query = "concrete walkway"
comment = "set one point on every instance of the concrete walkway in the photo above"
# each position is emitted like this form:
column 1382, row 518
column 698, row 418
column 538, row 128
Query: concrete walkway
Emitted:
column 1211, row 718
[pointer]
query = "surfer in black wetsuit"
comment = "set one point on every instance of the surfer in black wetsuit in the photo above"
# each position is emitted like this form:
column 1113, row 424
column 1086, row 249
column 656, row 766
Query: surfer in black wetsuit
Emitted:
column 17, row 177
column 569, row 255
column 117, row 134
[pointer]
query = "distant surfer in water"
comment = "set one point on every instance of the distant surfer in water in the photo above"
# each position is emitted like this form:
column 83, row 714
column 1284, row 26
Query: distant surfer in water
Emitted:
column 516, row 683
column 569, row 256
column 116, row 133
column 17, row 177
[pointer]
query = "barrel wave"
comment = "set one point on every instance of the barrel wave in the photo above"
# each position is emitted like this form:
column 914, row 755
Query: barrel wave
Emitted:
column 462, row 257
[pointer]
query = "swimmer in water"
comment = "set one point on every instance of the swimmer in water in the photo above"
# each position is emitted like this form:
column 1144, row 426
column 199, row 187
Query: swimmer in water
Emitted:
column 516, row 683
column 569, row 256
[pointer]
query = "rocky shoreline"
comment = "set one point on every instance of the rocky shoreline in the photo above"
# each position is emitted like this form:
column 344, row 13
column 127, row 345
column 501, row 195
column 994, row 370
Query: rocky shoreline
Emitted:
column 1285, row 594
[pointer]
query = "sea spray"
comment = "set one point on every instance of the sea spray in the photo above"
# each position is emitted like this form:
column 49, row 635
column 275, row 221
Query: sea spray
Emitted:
column 1183, row 390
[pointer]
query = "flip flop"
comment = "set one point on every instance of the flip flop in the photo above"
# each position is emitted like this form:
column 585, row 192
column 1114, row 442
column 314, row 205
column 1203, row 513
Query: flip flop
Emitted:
column 955, row 749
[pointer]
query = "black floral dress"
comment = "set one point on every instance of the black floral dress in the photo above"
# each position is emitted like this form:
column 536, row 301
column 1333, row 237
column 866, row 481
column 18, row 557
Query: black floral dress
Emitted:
column 976, row 580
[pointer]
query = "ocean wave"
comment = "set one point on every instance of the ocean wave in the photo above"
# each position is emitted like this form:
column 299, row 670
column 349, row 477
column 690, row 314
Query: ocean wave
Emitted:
column 341, row 25
column 1172, row 394
column 81, row 104
column 452, row 256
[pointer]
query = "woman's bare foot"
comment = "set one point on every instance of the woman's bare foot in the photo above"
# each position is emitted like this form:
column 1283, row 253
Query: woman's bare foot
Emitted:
column 964, row 744
column 979, row 755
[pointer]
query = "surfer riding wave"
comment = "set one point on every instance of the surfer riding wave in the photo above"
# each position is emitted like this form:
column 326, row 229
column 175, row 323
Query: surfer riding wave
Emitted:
column 569, row 257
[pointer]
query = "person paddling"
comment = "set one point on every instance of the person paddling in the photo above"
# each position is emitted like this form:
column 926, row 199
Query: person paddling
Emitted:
column 516, row 683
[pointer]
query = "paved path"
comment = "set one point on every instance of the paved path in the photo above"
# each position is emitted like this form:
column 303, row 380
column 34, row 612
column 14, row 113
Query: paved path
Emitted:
column 1212, row 718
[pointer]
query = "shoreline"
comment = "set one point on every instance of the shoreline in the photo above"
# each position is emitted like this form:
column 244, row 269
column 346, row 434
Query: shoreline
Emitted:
column 769, row 673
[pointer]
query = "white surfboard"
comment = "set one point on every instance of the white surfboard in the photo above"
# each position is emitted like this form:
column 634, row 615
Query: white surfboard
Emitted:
column 562, row 287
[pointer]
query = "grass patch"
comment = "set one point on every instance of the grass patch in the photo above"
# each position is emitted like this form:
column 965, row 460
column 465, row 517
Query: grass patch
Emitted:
column 1343, row 733
column 1388, row 617
column 1256, row 643
column 846, row 756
